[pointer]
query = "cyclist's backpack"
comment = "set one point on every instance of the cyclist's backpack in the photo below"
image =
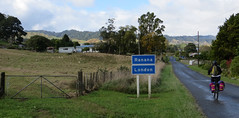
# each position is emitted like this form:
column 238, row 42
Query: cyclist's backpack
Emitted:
column 212, row 86
column 214, row 70
column 221, row 85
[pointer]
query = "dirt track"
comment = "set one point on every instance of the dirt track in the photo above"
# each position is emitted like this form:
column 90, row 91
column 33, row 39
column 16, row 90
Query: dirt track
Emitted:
column 228, row 104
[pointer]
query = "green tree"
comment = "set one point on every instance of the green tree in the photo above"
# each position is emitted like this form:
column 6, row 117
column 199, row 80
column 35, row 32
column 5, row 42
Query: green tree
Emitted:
column 172, row 48
column 65, row 41
column 126, row 40
column 108, row 34
column 55, row 43
column 226, row 45
column 150, row 33
column 38, row 43
column 11, row 29
column 190, row 48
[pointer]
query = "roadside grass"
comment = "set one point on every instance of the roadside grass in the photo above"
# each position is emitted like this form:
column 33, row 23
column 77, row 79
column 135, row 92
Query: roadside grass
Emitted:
column 223, row 78
column 171, row 101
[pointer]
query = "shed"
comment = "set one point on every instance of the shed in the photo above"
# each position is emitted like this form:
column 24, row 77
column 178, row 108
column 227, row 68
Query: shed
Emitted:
column 66, row 49
column 50, row 49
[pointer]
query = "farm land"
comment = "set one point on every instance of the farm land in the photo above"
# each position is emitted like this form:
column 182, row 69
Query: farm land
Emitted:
column 169, row 97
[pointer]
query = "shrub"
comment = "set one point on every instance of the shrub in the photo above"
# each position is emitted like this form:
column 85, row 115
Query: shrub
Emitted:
column 125, row 85
column 206, row 66
column 234, row 68
column 128, row 85
column 165, row 59
column 224, row 64
column 123, row 68
column 224, row 67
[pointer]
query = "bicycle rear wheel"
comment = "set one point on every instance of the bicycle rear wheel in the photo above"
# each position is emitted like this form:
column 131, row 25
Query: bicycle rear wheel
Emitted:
column 216, row 93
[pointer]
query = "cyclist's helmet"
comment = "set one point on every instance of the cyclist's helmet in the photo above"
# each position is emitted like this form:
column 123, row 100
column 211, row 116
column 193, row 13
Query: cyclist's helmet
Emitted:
column 214, row 62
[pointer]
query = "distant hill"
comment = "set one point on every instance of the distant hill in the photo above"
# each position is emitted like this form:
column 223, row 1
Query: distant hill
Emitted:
column 74, row 34
column 204, row 40
column 87, row 36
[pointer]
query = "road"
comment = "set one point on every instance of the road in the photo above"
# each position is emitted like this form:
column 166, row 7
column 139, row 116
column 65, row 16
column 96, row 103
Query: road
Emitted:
column 228, row 104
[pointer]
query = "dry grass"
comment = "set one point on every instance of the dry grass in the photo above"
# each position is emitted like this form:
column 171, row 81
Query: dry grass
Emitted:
column 27, row 62
column 22, row 62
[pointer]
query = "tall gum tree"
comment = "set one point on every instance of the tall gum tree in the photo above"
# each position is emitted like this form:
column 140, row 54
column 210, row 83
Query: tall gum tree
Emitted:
column 150, row 33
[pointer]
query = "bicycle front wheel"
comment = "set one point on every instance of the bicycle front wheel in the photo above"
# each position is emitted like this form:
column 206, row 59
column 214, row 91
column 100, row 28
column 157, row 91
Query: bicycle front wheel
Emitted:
column 216, row 94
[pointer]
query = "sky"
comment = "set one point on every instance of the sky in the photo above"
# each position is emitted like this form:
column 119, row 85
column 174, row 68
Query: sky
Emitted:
column 180, row 17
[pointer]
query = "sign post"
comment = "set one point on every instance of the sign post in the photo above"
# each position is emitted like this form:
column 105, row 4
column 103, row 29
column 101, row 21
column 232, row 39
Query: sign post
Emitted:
column 149, row 86
column 137, row 86
column 143, row 65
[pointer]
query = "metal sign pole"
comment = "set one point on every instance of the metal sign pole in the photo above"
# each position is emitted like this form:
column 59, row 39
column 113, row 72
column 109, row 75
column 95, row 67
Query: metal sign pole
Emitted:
column 137, row 86
column 149, row 86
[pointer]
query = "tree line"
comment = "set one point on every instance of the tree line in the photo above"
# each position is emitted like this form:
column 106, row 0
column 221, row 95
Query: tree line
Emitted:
column 40, row 43
column 146, row 39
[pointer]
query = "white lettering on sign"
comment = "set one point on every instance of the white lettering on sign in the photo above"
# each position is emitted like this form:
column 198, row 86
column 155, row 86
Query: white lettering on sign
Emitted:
column 143, row 70
column 143, row 60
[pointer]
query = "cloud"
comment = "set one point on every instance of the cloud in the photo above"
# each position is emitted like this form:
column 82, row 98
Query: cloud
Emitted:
column 82, row 3
column 47, row 15
column 181, row 17
column 186, row 17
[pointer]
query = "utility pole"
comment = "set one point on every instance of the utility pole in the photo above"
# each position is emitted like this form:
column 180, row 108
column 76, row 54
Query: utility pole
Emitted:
column 198, row 48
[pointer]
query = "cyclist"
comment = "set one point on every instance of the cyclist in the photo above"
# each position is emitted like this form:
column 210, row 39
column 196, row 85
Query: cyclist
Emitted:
column 215, row 77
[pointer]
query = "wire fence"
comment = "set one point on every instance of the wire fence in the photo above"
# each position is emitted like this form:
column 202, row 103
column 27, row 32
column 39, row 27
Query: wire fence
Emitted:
column 56, row 86
column 88, row 82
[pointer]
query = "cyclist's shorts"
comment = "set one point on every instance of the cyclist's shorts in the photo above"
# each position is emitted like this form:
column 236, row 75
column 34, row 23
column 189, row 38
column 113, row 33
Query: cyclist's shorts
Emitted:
column 215, row 79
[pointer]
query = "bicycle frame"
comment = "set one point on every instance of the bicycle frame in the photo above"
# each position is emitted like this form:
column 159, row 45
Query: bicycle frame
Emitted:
column 216, row 92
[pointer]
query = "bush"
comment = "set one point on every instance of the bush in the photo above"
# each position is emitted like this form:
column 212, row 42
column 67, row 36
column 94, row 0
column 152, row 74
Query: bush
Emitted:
column 128, row 85
column 125, row 85
column 234, row 68
column 12, row 47
column 224, row 67
column 123, row 68
column 206, row 66
column 224, row 64
column 165, row 59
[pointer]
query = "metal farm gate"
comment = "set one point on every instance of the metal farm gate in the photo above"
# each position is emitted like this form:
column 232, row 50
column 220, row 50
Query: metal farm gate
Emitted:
column 45, row 86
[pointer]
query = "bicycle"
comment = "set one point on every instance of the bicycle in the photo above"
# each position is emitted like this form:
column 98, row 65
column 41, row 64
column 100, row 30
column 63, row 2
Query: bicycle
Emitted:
column 216, row 91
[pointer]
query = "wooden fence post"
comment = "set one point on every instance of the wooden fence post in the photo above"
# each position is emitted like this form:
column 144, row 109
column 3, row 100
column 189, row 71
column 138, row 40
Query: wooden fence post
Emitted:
column 96, row 77
column 111, row 76
column 81, row 84
column 2, row 87
column 104, row 77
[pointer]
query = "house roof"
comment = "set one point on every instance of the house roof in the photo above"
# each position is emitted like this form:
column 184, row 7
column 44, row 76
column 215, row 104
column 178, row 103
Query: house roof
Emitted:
column 84, row 46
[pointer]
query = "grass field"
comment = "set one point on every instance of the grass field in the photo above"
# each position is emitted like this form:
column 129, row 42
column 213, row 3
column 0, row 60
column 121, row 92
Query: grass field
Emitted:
column 34, row 63
column 171, row 101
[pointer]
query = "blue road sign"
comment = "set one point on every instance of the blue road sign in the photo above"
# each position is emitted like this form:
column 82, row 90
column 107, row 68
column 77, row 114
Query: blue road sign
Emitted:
column 143, row 59
column 143, row 69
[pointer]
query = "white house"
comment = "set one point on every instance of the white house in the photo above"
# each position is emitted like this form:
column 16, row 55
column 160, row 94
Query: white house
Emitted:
column 66, row 49
column 193, row 54
column 80, row 48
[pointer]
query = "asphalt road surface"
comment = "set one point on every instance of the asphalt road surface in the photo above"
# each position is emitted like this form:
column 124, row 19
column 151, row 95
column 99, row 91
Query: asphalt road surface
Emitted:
column 227, row 105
